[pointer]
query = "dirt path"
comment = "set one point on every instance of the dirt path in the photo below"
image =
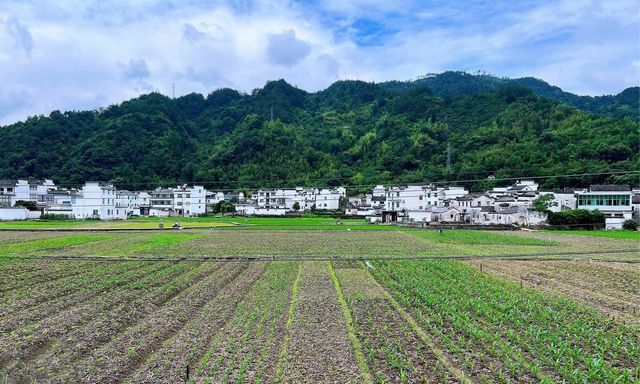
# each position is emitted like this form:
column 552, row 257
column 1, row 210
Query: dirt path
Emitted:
column 319, row 349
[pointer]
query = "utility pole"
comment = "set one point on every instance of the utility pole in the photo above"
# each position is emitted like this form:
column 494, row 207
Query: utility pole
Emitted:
column 448, row 157
column 173, row 90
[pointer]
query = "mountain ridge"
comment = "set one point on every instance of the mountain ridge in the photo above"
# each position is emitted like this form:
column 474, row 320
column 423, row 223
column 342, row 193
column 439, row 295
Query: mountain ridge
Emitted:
column 352, row 132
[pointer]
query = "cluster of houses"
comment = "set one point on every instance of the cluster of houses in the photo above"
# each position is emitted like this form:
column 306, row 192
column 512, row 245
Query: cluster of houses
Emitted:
column 423, row 204
column 103, row 201
column 512, row 205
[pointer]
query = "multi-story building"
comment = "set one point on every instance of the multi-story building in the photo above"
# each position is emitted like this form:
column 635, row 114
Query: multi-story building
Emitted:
column 614, row 201
column 97, row 200
column 180, row 201
column 16, row 190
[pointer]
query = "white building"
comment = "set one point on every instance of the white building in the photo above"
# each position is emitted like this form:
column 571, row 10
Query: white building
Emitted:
column 413, row 197
column 190, row 200
column 614, row 201
column 180, row 201
column 97, row 200
column 563, row 200
column 36, row 191
column 212, row 199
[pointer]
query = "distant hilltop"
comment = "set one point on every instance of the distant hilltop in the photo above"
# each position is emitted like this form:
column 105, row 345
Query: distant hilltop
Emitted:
column 451, row 126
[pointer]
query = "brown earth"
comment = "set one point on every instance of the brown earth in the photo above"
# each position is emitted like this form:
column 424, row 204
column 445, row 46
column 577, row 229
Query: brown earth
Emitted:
column 395, row 353
column 611, row 288
column 319, row 351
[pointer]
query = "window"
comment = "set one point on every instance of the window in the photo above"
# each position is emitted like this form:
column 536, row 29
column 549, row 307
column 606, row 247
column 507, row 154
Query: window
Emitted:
column 420, row 198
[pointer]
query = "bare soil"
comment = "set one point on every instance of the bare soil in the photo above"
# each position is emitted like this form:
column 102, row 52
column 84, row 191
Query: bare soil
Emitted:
column 395, row 353
column 611, row 288
column 319, row 351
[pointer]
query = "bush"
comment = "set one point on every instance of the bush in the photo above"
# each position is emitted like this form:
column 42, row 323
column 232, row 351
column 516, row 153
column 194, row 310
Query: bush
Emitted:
column 630, row 225
column 55, row 217
column 577, row 219
column 30, row 205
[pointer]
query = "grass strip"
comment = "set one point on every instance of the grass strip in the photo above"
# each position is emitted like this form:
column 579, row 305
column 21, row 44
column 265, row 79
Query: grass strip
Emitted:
column 355, row 343
column 459, row 374
column 287, row 338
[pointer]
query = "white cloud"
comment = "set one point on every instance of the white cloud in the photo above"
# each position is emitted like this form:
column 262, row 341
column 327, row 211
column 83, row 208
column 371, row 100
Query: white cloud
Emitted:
column 74, row 54
column 285, row 49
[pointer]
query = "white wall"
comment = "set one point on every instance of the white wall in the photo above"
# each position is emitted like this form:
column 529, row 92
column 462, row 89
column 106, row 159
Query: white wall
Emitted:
column 12, row 214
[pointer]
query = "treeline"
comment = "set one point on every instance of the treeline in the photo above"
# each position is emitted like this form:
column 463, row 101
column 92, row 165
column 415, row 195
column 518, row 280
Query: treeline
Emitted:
column 352, row 133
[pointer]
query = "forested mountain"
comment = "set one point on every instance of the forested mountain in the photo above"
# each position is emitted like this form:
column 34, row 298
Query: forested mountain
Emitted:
column 353, row 133
column 451, row 84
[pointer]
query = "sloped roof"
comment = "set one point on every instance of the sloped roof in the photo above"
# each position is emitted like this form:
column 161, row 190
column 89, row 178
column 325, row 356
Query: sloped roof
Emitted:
column 609, row 188
column 508, row 210
column 443, row 209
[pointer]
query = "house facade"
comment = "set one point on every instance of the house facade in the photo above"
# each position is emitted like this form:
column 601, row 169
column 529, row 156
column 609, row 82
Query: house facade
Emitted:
column 614, row 201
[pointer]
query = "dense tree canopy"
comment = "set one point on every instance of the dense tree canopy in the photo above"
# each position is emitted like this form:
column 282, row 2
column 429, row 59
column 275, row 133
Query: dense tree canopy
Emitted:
column 353, row 133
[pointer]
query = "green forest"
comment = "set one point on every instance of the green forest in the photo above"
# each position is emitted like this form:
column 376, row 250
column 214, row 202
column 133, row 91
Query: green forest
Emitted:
column 352, row 133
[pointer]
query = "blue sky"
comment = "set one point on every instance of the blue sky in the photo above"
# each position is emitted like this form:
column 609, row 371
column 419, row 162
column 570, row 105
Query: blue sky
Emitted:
column 84, row 54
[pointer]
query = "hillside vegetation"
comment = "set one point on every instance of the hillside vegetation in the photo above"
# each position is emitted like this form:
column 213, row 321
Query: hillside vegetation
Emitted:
column 352, row 133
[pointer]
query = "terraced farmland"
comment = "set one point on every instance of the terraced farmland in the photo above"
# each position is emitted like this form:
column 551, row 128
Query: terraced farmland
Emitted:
column 275, row 306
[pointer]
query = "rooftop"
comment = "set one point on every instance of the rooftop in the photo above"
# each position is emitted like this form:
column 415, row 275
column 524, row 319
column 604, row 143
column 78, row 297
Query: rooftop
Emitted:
column 610, row 188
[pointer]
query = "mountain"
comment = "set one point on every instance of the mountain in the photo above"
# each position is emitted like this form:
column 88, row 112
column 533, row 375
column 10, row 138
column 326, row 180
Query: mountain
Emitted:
column 452, row 83
column 353, row 133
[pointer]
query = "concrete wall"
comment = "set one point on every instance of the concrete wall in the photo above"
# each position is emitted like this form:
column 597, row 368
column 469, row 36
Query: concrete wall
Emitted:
column 12, row 214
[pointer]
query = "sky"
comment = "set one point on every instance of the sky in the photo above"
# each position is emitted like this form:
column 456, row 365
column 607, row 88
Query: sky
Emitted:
column 85, row 54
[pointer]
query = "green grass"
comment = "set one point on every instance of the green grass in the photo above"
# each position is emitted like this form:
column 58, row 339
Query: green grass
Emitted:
column 157, row 243
column 45, row 224
column 41, row 246
column 626, row 235
column 461, row 236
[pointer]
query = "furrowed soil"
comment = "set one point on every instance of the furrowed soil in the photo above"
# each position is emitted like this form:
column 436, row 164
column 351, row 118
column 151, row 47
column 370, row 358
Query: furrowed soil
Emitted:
column 133, row 320
column 187, row 346
column 612, row 288
column 394, row 351
column 247, row 348
column 319, row 349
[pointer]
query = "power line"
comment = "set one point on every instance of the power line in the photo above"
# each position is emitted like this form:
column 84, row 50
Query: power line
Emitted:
column 445, row 182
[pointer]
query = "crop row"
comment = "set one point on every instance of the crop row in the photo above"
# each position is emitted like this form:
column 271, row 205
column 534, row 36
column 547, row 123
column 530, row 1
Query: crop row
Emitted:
column 393, row 350
column 27, row 344
column 501, row 332
column 35, row 303
column 186, row 347
column 129, row 349
column 247, row 348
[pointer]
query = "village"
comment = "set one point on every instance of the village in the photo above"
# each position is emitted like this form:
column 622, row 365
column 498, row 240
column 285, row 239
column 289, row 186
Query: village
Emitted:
column 413, row 204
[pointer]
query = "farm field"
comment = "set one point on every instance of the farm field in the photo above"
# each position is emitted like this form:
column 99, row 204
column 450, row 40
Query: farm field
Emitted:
column 320, row 305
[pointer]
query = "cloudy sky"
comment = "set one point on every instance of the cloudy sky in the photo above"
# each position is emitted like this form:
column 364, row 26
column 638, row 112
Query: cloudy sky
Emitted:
column 83, row 54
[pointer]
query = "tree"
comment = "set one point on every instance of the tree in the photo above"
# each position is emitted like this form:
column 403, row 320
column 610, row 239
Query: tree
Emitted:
column 30, row 205
column 544, row 202
column 224, row 207
column 630, row 225
column 577, row 219
column 342, row 203
column 296, row 206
